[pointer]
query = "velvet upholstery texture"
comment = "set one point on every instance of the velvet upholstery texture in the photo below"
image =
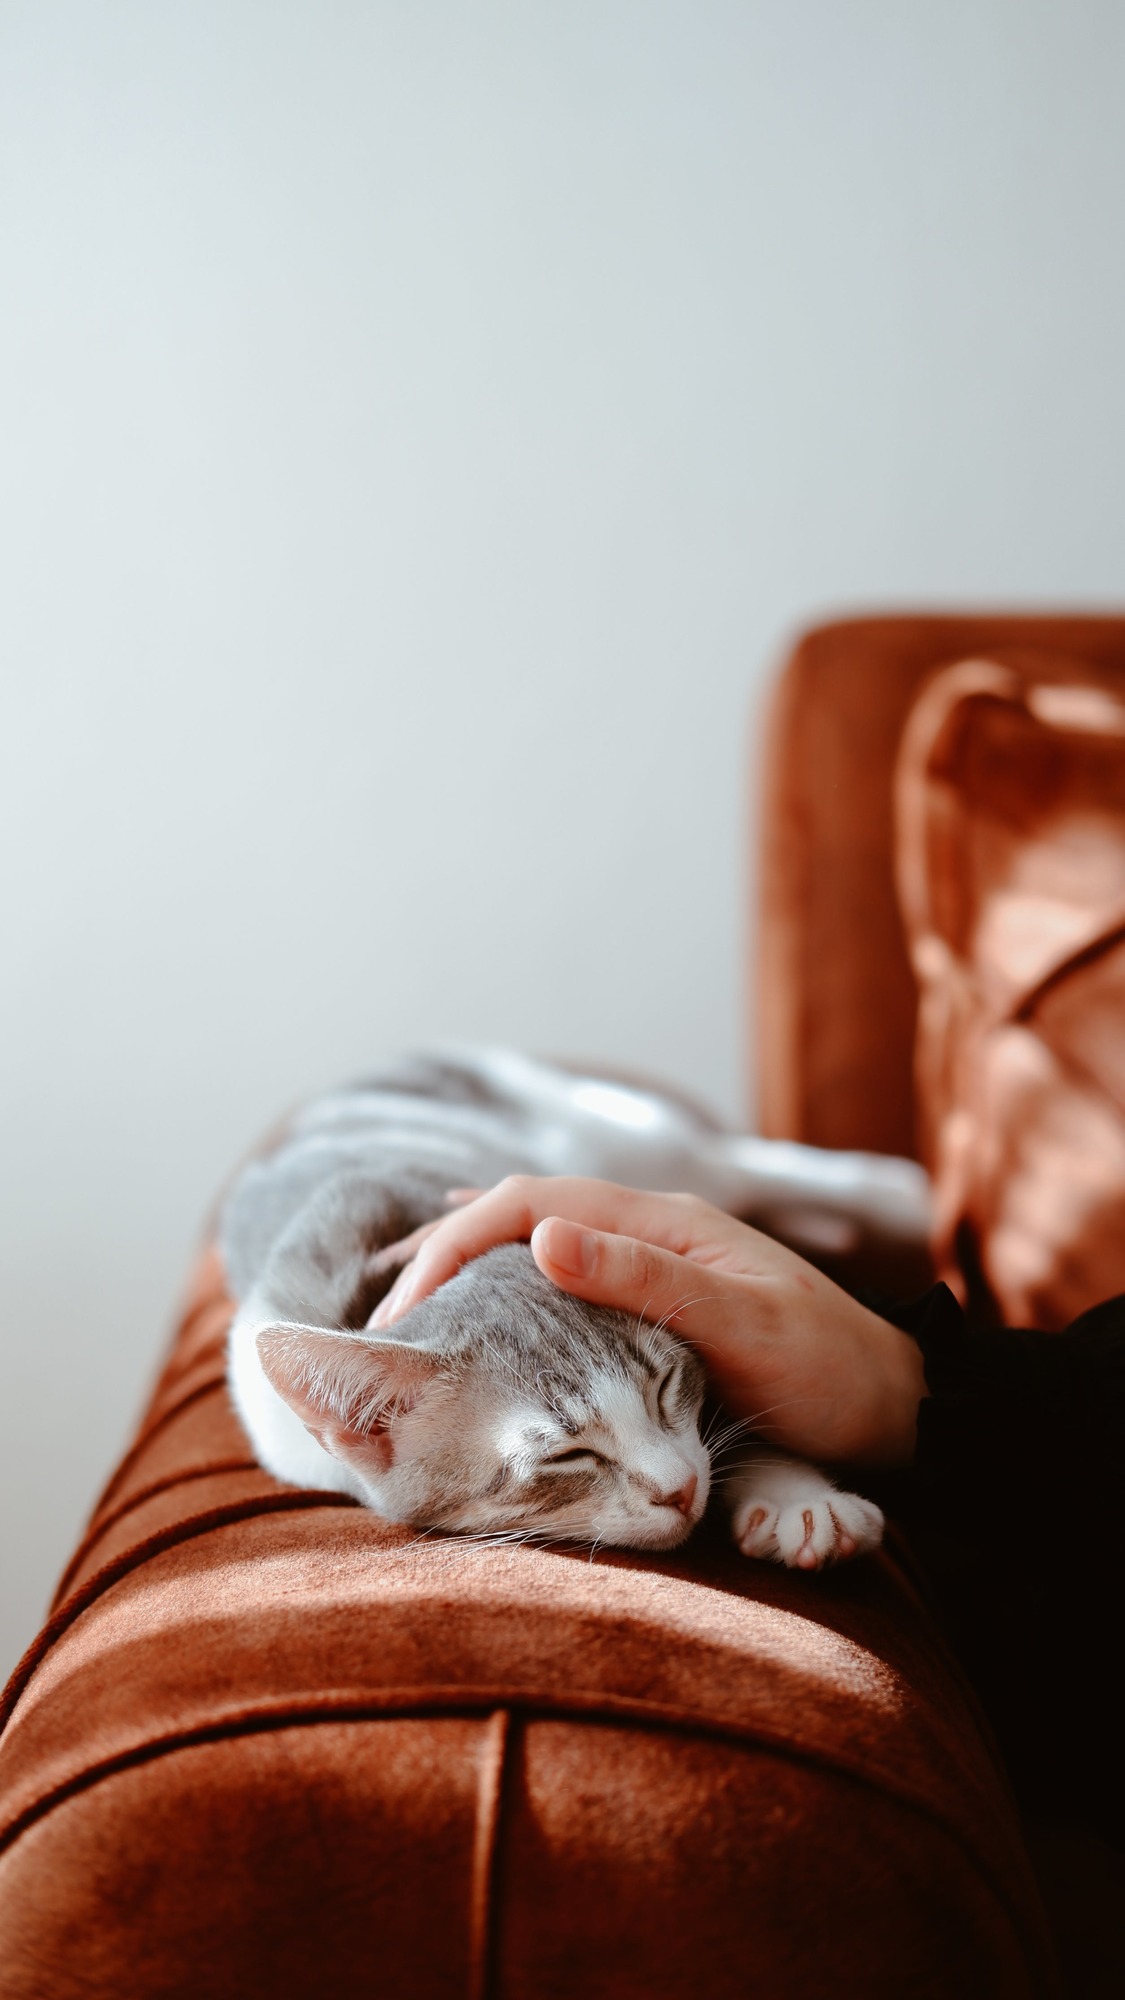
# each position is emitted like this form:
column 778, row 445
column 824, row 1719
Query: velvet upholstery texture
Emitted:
column 1011, row 809
column 270, row 1745
column 833, row 1040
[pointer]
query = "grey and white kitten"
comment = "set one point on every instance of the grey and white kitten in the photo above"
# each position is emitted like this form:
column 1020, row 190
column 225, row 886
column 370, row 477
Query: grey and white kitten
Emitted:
column 499, row 1405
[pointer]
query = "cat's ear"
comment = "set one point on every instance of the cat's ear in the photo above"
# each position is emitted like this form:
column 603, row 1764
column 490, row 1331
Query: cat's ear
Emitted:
column 347, row 1390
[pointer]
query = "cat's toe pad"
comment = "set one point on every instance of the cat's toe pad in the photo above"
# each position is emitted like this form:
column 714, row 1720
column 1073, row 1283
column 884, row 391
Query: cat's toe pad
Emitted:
column 755, row 1529
column 809, row 1533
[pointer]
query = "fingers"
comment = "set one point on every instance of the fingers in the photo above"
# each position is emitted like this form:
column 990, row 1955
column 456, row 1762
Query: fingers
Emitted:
column 509, row 1212
column 780, row 1342
column 390, row 1304
column 609, row 1269
column 406, row 1248
column 501, row 1216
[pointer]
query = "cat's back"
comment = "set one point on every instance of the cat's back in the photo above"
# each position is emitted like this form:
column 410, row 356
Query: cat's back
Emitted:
column 428, row 1114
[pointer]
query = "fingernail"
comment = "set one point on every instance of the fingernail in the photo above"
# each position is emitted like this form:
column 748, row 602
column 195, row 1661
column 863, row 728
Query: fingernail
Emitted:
column 389, row 1307
column 571, row 1247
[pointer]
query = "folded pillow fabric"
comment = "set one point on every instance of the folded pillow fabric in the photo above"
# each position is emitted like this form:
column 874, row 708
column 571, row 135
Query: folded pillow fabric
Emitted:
column 1010, row 799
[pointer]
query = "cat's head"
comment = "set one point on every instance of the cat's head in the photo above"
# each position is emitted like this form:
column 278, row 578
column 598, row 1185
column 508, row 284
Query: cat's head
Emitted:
column 501, row 1405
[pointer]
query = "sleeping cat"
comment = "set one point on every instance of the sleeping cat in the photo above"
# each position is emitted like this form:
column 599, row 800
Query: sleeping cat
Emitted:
column 500, row 1406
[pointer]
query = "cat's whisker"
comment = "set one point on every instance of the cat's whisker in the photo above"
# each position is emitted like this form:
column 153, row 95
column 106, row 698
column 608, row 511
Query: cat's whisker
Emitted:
column 719, row 1453
column 719, row 1436
column 737, row 1472
column 500, row 1379
column 786, row 1403
column 697, row 1340
column 681, row 1306
column 729, row 1439
column 721, row 1420
column 642, row 1322
column 726, row 1428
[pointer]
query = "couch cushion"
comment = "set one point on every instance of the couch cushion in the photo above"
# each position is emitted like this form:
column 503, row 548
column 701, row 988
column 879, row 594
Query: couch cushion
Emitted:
column 836, row 999
column 269, row 1744
column 1011, row 799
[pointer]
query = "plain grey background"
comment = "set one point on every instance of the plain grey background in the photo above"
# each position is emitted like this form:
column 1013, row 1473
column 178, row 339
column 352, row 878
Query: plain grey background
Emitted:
column 421, row 426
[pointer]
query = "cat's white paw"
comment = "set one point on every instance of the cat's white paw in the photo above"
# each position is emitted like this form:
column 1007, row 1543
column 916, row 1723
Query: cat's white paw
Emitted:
column 809, row 1530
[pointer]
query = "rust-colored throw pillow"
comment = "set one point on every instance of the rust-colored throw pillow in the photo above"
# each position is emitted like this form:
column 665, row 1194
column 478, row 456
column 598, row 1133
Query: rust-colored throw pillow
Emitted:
column 271, row 1747
column 1011, row 818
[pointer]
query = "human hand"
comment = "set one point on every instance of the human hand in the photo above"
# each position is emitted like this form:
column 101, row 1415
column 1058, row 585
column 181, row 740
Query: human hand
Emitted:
column 786, row 1349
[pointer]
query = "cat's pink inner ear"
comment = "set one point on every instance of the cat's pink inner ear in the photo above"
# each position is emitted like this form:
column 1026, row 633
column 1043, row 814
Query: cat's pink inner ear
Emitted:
column 347, row 1392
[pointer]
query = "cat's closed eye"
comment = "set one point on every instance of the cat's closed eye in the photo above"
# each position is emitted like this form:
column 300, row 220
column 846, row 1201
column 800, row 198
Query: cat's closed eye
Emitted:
column 664, row 1396
column 577, row 1455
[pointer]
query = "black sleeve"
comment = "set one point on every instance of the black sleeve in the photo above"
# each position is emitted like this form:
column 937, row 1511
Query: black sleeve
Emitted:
column 1016, row 1507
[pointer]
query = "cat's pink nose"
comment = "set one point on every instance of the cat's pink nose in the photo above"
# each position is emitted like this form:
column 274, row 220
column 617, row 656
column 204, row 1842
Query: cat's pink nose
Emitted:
column 683, row 1496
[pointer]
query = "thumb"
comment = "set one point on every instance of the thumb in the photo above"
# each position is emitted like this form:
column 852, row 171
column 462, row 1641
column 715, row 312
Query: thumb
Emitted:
column 634, row 1277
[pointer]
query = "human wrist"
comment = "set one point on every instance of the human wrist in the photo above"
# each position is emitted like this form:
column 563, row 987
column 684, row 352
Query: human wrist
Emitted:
column 888, row 1434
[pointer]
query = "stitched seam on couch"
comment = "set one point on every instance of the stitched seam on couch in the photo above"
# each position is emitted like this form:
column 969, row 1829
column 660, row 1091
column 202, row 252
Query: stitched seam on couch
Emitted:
column 492, row 1786
column 602, row 1709
column 101, row 1526
column 133, row 1558
column 179, row 1534
column 141, row 1443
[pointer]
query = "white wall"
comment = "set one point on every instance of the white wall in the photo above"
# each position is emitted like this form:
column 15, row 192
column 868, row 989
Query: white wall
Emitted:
column 421, row 424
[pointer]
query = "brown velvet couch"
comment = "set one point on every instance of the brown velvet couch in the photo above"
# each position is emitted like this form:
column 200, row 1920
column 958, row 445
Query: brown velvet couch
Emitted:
column 269, row 1745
